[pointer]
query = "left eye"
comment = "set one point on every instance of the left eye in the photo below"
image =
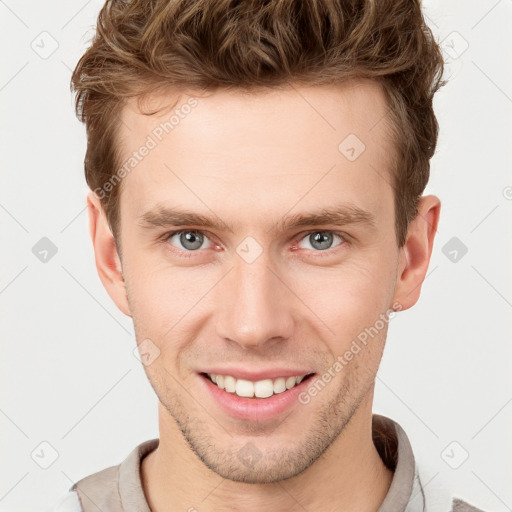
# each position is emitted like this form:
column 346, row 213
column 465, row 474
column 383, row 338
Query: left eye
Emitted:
column 189, row 240
column 321, row 240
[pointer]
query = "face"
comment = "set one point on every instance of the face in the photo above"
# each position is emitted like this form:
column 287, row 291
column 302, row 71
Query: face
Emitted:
column 231, row 269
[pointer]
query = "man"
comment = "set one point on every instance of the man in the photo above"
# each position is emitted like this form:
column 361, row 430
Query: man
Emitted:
column 256, row 172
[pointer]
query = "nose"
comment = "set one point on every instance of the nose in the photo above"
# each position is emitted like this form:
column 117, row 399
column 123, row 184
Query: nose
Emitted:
column 255, row 304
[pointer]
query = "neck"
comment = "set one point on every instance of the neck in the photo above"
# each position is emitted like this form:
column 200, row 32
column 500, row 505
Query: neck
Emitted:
column 350, row 475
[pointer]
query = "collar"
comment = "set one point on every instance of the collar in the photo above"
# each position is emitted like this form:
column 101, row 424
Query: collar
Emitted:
column 395, row 450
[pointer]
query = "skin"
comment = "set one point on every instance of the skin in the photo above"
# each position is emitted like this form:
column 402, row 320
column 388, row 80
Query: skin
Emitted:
column 251, row 159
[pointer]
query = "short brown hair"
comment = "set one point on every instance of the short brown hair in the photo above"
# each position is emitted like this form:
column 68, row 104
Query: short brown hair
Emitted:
column 142, row 46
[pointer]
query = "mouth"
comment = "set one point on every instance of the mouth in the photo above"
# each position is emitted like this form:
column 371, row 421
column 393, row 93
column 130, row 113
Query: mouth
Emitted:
column 254, row 401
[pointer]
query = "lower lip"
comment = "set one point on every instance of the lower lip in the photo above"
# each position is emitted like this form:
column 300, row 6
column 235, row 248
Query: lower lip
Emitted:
column 254, row 409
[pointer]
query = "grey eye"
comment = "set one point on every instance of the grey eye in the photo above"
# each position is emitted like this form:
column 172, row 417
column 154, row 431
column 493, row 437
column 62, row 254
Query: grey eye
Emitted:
column 321, row 240
column 189, row 240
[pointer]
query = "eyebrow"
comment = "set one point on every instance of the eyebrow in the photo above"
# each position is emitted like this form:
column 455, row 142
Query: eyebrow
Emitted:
column 341, row 215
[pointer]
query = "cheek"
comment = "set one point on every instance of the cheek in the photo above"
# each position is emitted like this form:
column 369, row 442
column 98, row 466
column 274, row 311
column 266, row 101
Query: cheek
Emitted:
column 160, row 297
column 346, row 299
column 162, row 303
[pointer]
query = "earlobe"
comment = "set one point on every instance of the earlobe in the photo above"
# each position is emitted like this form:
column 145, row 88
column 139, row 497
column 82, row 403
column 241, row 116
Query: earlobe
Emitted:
column 416, row 252
column 108, row 263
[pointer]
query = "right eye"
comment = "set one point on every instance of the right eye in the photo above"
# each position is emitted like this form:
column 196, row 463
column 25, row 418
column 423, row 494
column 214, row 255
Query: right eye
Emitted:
column 187, row 240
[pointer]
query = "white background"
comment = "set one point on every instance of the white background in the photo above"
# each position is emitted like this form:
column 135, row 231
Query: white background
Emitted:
column 69, row 376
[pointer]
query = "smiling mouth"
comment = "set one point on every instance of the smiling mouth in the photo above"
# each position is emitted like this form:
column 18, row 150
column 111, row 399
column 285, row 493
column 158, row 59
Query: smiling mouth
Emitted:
column 255, row 389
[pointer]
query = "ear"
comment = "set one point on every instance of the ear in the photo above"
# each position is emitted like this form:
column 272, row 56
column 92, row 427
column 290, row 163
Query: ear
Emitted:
column 108, row 262
column 416, row 252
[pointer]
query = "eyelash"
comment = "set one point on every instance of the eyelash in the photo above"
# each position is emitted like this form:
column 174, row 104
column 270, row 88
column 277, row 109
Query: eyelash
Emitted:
column 320, row 254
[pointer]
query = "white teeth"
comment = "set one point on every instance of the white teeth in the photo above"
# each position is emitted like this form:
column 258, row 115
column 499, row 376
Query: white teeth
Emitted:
column 260, row 389
column 264, row 388
column 280, row 385
column 229, row 383
column 290, row 382
column 244, row 388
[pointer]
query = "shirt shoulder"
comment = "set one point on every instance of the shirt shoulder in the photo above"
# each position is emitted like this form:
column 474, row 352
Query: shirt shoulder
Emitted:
column 113, row 489
column 459, row 505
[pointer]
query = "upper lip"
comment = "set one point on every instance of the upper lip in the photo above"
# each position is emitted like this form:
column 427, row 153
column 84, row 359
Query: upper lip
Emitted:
column 256, row 375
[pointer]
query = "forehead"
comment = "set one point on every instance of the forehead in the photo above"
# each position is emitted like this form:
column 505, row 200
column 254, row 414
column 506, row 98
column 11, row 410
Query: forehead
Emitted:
column 265, row 152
